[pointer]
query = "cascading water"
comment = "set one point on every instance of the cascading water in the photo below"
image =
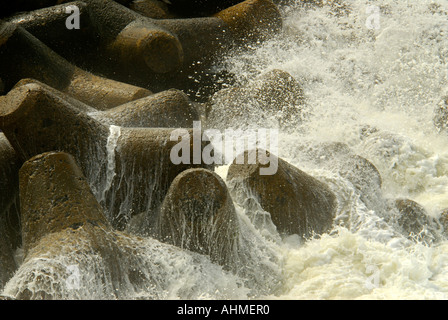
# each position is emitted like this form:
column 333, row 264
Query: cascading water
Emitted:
column 372, row 89
column 114, row 134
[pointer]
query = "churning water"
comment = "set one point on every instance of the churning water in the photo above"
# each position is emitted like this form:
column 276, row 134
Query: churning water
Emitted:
column 373, row 77
column 372, row 80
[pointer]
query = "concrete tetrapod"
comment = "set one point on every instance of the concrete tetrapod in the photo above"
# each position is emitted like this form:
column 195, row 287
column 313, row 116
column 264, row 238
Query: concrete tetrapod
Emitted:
column 54, row 195
column 8, row 8
column 414, row 221
column 167, row 109
column 338, row 157
column 107, row 29
column 128, row 36
column 72, row 252
column 272, row 98
column 57, row 27
column 198, row 214
column 9, row 212
column 199, row 7
column 35, row 121
column 9, row 187
column 153, row 53
column 441, row 115
column 241, row 24
column 235, row 27
column 297, row 202
column 23, row 56
column 208, row 38
column 64, row 226
column 443, row 221
column 156, row 41
column 134, row 41
column 155, row 9
column 252, row 20
column 128, row 169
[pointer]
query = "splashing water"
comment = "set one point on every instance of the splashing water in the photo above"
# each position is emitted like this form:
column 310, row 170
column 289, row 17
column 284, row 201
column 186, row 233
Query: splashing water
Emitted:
column 374, row 90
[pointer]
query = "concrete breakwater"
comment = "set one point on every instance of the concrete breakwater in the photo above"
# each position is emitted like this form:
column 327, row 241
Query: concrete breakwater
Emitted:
column 92, row 203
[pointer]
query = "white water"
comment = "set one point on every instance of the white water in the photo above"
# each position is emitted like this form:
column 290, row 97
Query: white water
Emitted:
column 390, row 79
column 354, row 78
column 112, row 140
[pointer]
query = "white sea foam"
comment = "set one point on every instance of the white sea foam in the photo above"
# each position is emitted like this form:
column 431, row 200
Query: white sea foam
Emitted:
column 375, row 91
